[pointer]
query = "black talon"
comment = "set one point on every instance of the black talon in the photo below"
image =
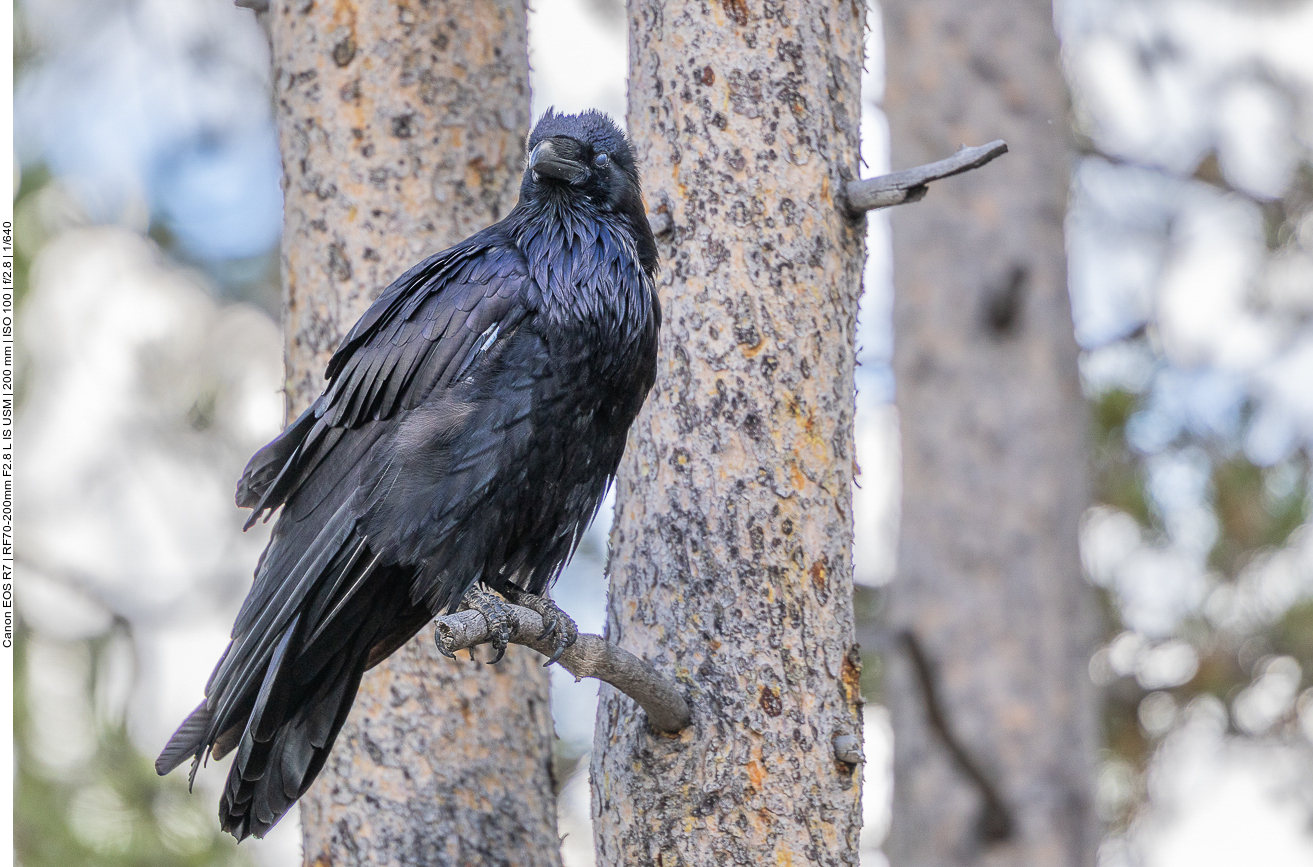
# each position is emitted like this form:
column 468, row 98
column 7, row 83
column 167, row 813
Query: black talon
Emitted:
column 496, row 613
column 555, row 621
column 560, row 648
column 550, row 625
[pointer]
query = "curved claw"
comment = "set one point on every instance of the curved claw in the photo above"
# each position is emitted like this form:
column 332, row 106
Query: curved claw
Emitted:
column 556, row 623
column 499, row 624
column 497, row 615
column 556, row 654
column 564, row 640
column 550, row 625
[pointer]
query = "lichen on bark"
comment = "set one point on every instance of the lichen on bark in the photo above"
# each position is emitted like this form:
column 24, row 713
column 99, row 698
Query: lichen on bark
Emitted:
column 731, row 549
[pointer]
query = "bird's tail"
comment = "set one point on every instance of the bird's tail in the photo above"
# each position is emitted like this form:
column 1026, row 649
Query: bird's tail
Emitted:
column 283, row 748
column 303, row 703
column 283, row 733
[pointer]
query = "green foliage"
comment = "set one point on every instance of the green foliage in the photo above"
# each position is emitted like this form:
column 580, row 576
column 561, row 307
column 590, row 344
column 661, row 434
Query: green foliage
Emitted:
column 1293, row 636
column 1252, row 516
column 1118, row 471
column 114, row 811
column 1257, row 509
column 30, row 231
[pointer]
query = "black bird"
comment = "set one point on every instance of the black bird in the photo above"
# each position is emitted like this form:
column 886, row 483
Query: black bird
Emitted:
column 472, row 422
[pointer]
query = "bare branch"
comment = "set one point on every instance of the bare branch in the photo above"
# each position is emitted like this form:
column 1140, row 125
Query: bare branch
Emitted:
column 590, row 656
column 1209, row 171
column 995, row 823
column 885, row 191
column 909, row 185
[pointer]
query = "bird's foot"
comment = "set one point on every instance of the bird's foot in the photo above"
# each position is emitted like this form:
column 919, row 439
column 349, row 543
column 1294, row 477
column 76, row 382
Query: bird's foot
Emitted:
column 495, row 611
column 555, row 621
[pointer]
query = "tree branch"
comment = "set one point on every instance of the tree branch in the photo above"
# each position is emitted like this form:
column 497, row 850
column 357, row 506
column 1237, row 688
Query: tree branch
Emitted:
column 1209, row 171
column 589, row 656
column 995, row 823
column 909, row 185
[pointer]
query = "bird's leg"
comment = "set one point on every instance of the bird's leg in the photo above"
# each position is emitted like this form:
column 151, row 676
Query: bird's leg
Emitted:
column 555, row 621
column 495, row 611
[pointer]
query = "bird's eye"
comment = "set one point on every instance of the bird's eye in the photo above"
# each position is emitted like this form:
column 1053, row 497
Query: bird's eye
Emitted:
column 601, row 161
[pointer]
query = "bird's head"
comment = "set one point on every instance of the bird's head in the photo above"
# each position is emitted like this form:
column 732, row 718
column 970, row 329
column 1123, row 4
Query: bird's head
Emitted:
column 585, row 157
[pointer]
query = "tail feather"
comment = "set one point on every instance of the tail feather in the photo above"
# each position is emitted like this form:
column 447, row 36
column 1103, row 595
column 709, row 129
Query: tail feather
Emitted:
column 321, row 610
column 271, row 704
column 267, row 778
column 187, row 742
column 258, row 630
column 304, row 699
column 269, row 463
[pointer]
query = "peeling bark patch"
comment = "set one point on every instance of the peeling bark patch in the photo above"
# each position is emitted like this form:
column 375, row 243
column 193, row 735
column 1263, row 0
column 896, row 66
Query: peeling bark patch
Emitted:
column 339, row 266
column 770, row 701
column 818, row 574
column 403, row 125
column 737, row 10
column 850, row 675
column 344, row 51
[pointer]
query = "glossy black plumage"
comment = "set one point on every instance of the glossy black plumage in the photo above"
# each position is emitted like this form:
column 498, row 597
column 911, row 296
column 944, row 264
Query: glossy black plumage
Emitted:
column 472, row 421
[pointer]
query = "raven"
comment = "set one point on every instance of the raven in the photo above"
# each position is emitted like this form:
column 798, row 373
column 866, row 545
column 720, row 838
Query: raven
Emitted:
column 470, row 426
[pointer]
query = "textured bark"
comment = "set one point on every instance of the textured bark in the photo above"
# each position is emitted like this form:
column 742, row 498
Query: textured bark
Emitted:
column 994, row 473
column 402, row 127
column 731, row 561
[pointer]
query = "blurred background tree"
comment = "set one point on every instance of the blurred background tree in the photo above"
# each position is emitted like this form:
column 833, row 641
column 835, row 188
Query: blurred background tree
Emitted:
column 994, row 718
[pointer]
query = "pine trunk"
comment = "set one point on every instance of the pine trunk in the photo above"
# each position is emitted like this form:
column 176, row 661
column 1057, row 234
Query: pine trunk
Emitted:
column 989, row 583
column 402, row 128
column 731, row 562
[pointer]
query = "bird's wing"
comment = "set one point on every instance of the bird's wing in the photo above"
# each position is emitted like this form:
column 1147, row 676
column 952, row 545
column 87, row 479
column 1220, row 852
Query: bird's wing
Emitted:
column 420, row 336
column 423, row 333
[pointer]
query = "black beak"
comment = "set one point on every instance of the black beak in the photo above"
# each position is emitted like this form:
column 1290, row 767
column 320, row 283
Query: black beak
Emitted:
column 558, row 159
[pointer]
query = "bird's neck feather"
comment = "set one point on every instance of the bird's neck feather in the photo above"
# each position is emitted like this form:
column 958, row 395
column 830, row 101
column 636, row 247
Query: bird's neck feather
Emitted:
column 586, row 263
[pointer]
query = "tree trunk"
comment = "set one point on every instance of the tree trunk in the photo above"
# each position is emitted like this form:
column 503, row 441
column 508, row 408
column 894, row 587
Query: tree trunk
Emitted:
column 402, row 128
column 731, row 561
column 989, row 583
